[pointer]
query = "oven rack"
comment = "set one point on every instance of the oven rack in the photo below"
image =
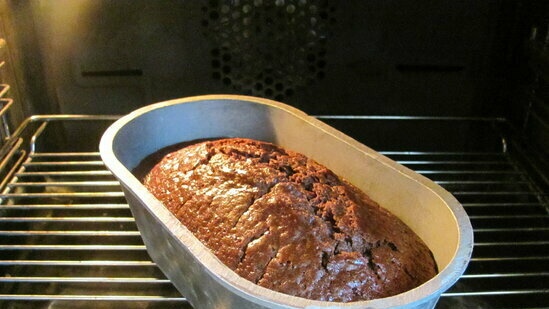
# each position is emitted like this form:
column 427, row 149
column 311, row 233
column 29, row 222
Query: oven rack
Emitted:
column 68, row 239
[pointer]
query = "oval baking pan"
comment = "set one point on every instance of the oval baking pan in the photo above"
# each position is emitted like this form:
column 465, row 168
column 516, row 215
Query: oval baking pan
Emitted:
column 433, row 213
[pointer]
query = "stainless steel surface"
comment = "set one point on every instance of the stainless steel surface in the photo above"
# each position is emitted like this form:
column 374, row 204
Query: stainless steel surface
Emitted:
column 394, row 57
column 500, row 274
column 433, row 213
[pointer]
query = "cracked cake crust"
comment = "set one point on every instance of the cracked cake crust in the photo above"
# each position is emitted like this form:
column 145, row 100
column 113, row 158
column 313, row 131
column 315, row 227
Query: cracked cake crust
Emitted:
column 287, row 223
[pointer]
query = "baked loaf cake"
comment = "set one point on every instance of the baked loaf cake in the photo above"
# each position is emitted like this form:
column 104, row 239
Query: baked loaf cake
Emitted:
column 287, row 223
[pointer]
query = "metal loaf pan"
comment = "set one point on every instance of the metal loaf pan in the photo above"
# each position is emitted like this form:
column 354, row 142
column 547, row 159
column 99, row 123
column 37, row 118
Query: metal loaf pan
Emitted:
column 433, row 213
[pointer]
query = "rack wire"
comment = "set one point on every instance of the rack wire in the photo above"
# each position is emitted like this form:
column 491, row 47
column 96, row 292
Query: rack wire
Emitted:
column 68, row 238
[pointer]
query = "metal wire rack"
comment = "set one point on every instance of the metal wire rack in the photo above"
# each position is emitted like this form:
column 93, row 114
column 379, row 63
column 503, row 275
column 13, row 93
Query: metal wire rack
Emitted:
column 68, row 238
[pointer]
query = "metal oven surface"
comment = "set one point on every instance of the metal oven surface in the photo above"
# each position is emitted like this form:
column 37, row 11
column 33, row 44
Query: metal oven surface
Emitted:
column 68, row 240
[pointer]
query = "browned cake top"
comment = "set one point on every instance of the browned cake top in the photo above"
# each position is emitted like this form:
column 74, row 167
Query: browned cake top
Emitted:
column 288, row 223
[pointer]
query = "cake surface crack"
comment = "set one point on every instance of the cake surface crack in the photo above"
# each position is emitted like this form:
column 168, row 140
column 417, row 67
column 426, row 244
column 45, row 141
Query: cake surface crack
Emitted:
column 285, row 222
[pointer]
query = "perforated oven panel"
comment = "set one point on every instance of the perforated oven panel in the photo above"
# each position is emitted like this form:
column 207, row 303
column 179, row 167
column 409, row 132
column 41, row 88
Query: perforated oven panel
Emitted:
column 68, row 239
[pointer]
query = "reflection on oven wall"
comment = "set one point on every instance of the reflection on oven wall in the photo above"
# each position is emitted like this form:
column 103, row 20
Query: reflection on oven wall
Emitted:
column 437, row 58
column 352, row 57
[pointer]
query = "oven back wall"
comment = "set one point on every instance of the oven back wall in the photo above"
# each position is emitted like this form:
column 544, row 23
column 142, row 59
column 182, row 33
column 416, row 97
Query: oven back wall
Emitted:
column 326, row 57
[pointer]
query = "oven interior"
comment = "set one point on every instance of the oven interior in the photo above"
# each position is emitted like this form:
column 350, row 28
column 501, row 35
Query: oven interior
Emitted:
column 457, row 91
